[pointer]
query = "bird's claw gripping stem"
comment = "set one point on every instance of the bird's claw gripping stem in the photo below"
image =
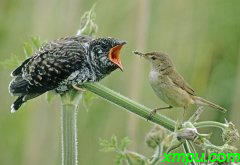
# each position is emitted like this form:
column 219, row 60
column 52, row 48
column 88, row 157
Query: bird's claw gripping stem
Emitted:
column 151, row 114
column 154, row 111
column 78, row 88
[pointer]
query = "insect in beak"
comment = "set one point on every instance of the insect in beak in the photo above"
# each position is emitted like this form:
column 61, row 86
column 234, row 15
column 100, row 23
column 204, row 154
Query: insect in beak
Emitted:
column 114, row 55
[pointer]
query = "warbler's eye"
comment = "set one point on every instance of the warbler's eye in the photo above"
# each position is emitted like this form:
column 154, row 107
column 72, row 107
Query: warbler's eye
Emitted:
column 153, row 58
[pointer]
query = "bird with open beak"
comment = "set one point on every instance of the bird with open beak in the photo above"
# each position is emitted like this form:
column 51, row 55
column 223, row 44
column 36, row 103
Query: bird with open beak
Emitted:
column 63, row 63
column 170, row 86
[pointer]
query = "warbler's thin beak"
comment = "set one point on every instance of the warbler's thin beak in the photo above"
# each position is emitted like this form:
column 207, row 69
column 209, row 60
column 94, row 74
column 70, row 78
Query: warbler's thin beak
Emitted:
column 114, row 55
column 140, row 54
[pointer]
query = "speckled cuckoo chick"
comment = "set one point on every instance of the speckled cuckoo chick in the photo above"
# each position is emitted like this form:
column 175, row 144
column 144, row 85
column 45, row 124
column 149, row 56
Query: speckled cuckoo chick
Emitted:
column 60, row 64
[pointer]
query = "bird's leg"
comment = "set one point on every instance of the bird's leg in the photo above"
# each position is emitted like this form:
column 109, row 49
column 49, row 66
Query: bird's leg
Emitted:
column 196, row 114
column 154, row 111
column 78, row 88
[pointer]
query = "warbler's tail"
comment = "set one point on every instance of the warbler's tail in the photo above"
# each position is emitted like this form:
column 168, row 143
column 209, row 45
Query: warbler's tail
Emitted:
column 201, row 101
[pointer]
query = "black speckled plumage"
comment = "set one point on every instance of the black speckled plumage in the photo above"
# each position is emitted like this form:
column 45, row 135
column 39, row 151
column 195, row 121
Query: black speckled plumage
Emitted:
column 59, row 64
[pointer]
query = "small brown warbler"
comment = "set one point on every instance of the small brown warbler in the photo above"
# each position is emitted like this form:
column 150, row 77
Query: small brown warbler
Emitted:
column 170, row 86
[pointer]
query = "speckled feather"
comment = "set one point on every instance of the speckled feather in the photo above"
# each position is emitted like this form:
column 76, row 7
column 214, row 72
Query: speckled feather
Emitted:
column 59, row 64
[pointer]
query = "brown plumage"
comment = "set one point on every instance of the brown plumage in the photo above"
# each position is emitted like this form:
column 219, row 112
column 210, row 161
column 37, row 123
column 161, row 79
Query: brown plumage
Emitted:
column 170, row 86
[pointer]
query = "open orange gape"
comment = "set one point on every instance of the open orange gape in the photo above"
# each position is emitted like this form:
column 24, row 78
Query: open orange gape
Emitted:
column 114, row 56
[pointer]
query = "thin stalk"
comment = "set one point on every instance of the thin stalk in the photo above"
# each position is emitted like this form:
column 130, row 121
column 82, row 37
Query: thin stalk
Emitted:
column 129, row 105
column 69, row 130
column 192, row 147
column 187, row 149
column 157, row 154
column 204, row 124
column 129, row 161
column 190, row 143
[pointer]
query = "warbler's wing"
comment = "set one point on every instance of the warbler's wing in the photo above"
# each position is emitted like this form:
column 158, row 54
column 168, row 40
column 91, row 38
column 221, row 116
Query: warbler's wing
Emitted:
column 178, row 80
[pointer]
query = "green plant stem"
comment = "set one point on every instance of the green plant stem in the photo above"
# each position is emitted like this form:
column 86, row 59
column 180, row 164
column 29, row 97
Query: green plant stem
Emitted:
column 190, row 144
column 157, row 155
column 129, row 105
column 69, row 129
column 204, row 124
column 69, row 135
column 187, row 149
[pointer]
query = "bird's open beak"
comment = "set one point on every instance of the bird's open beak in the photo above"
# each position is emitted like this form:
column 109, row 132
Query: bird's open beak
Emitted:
column 114, row 55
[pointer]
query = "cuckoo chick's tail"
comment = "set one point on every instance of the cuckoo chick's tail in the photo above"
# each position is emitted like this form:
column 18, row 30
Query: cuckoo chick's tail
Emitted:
column 201, row 101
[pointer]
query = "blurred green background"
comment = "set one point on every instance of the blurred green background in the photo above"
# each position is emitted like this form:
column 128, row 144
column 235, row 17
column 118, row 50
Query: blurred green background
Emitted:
column 202, row 37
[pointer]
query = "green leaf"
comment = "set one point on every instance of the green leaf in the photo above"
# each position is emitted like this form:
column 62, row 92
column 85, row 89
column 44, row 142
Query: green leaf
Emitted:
column 131, row 158
column 28, row 50
column 114, row 141
column 119, row 159
column 36, row 41
column 106, row 145
column 112, row 145
column 87, row 23
column 124, row 143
